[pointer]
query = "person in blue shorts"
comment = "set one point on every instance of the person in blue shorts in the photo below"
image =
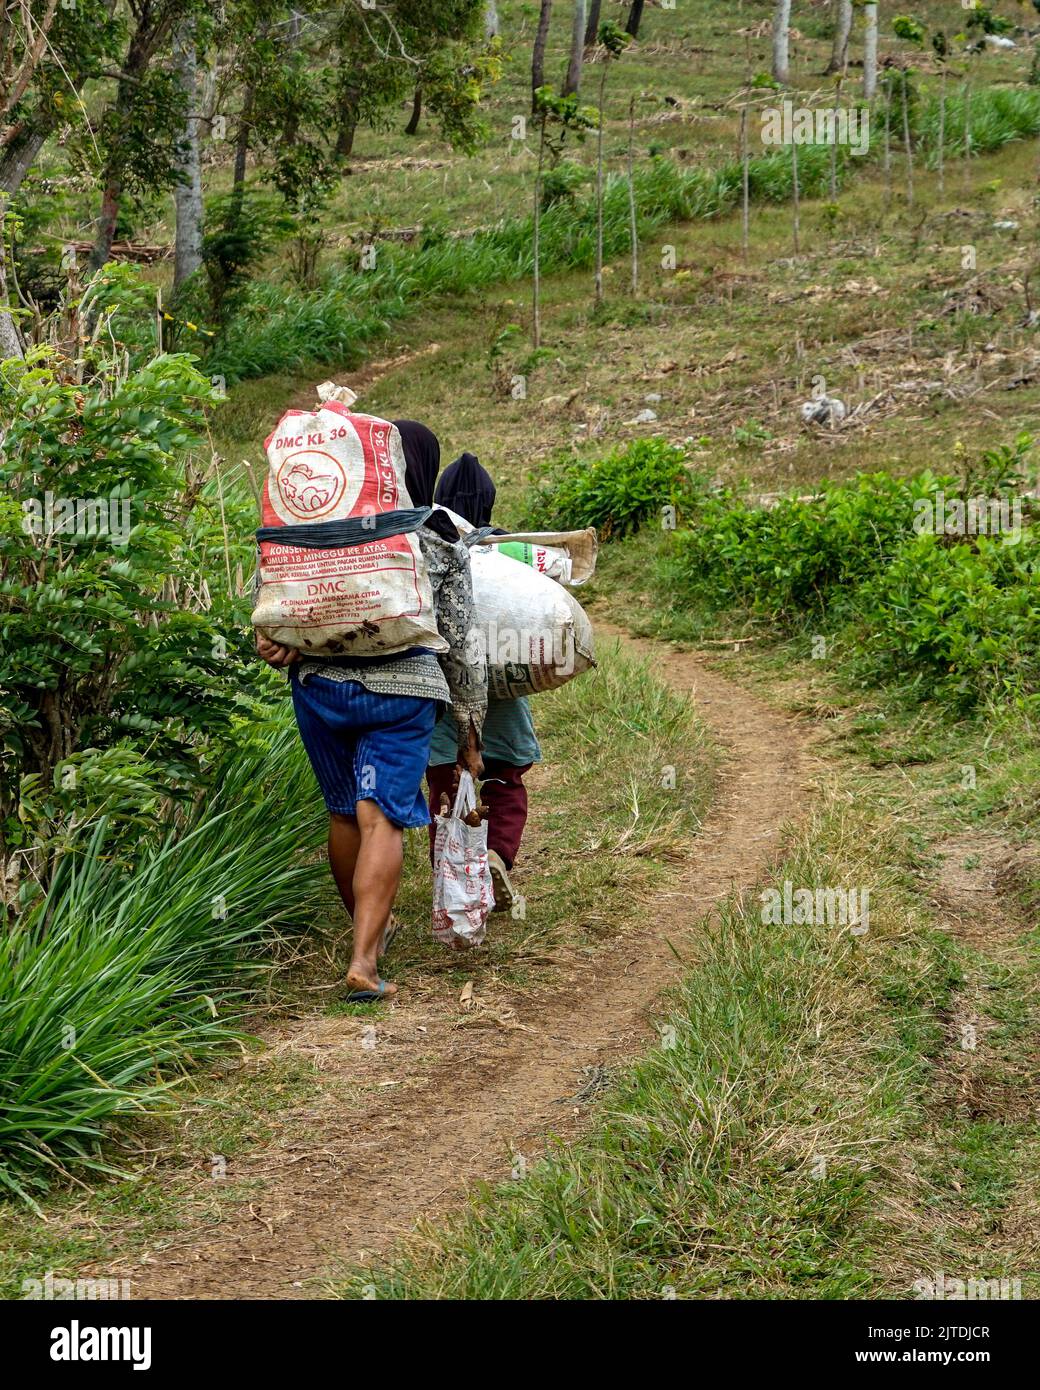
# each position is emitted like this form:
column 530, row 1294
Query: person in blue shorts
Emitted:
column 367, row 725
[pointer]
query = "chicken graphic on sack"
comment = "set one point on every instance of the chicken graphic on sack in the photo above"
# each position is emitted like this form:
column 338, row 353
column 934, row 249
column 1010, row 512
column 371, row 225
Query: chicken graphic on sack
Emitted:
column 307, row 491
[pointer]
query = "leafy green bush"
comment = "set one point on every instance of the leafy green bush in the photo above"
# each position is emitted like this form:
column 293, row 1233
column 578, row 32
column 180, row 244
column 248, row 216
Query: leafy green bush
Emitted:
column 123, row 660
column 950, row 617
column 616, row 494
column 798, row 556
column 955, row 623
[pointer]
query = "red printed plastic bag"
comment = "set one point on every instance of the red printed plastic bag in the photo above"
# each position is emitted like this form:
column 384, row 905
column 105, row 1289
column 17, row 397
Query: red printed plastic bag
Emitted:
column 463, row 893
column 371, row 599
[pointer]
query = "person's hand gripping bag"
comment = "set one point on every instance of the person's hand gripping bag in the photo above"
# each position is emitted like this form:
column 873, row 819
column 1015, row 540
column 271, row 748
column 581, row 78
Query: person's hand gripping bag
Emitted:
column 463, row 893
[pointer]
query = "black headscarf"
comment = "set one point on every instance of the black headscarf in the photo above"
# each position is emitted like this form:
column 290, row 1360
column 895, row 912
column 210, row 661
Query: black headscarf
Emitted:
column 467, row 488
column 422, row 458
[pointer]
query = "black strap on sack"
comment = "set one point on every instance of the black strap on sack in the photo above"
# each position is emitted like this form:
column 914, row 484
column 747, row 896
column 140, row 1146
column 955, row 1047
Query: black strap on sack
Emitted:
column 352, row 530
column 482, row 533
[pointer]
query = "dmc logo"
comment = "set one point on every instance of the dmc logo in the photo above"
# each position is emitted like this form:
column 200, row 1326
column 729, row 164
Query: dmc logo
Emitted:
column 311, row 483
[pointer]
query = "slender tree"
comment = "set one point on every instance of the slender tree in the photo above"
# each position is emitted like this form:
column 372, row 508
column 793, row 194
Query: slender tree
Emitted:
column 635, row 18
column 942, row 51
column 745, row 183
column 842, row 31
column 781, row 41
column 536, row 248
column 491, row 20
column 796, row 219
column 572, row 83
column 137, row 125
column 904, row 84
column 187, row 193
column 633, row 226
column 870, row 49
column 538, row 52
column 24, row 34
column 614, row 42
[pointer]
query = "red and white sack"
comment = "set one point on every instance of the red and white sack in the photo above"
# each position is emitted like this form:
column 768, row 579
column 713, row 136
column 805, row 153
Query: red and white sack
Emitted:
column 463, row 893
column 372, row 599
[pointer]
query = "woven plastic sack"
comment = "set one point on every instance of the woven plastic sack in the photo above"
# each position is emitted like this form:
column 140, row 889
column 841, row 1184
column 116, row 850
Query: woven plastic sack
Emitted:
column 374, row 599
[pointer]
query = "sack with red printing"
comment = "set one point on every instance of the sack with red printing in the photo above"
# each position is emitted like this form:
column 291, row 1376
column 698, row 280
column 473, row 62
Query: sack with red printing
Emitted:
column 371, row 598
column 463, row 893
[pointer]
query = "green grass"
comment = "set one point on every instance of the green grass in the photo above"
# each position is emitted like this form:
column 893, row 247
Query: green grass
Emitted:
column 743, row 1158
column 278, row 328
column 603, row 836
column 118, row 979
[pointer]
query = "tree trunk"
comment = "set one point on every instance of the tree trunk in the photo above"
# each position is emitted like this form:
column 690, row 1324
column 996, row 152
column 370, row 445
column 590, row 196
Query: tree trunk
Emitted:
column 245, row 125
column 781, row 46
column 106, row 221
column 413, row 121
column 592, row 24
column 906, row 142
column 870, row 48
column 152, row 31
column 572, row 84
column 187, row 195
column 538, row 52
column 842, row 30
column 633, row 228
column 20, row 155
column 490, row 20
column 10, row 338
column 599, row 184
column 345, row 138
column 635, row 18
column 942, row 131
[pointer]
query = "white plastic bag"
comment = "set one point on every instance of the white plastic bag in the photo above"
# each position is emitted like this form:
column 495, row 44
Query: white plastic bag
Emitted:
column 463, row 893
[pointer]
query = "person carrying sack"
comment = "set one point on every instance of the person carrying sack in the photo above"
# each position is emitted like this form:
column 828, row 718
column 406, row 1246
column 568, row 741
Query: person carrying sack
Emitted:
column 510, row 746
column 367, row 722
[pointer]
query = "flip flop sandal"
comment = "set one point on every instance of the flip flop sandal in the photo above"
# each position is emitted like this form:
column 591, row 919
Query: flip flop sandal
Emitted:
column 367, row 996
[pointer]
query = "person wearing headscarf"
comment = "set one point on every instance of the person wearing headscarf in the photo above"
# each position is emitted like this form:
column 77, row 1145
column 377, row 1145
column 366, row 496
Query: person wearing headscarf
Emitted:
column 510, row 745
column 468, row 490
column 367, row 724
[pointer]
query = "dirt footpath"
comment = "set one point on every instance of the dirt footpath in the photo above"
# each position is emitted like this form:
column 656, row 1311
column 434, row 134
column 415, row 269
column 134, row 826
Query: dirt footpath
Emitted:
column 462, row 1102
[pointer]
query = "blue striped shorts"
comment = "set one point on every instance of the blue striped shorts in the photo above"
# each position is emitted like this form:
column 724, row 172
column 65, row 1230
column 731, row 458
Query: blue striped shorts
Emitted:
column 366, row 747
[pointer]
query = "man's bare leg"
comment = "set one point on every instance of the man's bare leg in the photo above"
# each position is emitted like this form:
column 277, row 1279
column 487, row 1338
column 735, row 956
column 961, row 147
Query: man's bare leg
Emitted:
column 377, row 877
column 344, row 845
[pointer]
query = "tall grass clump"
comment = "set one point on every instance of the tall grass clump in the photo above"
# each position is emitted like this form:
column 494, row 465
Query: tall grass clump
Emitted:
column 997, row 117
column 116, row 978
